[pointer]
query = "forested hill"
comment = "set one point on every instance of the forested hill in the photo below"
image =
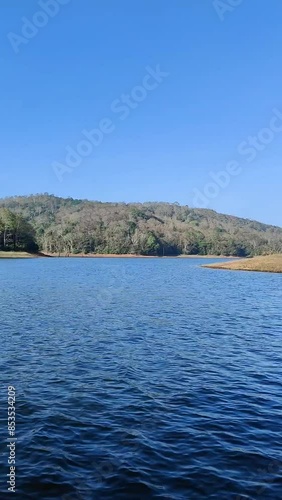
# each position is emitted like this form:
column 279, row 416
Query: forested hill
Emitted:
column 81, row 226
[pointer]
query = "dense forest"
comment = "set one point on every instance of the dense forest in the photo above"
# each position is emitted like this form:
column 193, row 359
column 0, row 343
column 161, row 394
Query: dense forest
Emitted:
column 69, row 226
column 15, row 232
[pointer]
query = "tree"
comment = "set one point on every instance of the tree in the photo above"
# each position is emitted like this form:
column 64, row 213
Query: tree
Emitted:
column 69, row 226
column 16, row 233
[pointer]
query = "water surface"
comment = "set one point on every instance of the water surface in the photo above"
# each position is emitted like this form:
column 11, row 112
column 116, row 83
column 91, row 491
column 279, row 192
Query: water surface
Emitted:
column 142, row 378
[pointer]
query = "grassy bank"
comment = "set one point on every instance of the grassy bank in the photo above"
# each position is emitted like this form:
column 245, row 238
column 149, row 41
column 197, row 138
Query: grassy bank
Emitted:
column 17, row 255
column 264, row 263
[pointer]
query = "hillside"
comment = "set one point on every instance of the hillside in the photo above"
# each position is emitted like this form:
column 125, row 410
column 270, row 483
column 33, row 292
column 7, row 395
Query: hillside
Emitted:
column 81, row 226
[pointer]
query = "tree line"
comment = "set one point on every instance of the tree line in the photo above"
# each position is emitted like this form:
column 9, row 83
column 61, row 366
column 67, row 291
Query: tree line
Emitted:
column 69, row 226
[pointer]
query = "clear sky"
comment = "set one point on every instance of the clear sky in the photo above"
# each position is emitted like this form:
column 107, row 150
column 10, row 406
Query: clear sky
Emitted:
column 219, row 78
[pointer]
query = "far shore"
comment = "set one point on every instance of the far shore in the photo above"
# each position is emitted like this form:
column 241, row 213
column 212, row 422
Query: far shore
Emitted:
column 134, row 256
column 26, row 255
column 262, row 263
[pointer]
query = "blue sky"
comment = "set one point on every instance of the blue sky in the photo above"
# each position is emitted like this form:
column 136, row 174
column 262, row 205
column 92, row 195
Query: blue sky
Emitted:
column 224, row 81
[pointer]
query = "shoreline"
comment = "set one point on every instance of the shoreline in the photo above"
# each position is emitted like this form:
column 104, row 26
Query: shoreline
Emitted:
column 134, row 256
column 26, row 255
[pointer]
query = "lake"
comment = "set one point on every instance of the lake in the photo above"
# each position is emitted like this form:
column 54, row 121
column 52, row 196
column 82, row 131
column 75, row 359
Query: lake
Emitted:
column 141, row 378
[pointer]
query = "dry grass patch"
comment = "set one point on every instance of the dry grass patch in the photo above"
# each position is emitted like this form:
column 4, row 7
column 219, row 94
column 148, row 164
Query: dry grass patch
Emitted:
column 17, row 255
column 263, row 263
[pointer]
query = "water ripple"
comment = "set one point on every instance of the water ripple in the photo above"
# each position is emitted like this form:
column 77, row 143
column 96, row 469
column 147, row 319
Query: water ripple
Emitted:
column 142, row 379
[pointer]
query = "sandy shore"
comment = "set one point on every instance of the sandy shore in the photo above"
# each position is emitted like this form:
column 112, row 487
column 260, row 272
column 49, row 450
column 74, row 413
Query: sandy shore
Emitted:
column 263, row 263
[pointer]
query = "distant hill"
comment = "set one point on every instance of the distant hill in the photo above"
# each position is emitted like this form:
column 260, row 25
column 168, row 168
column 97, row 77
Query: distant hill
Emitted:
column 82, row 226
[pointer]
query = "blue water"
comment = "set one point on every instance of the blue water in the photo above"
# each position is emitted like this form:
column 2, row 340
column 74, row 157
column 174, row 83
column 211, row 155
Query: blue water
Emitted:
column 142, row 378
